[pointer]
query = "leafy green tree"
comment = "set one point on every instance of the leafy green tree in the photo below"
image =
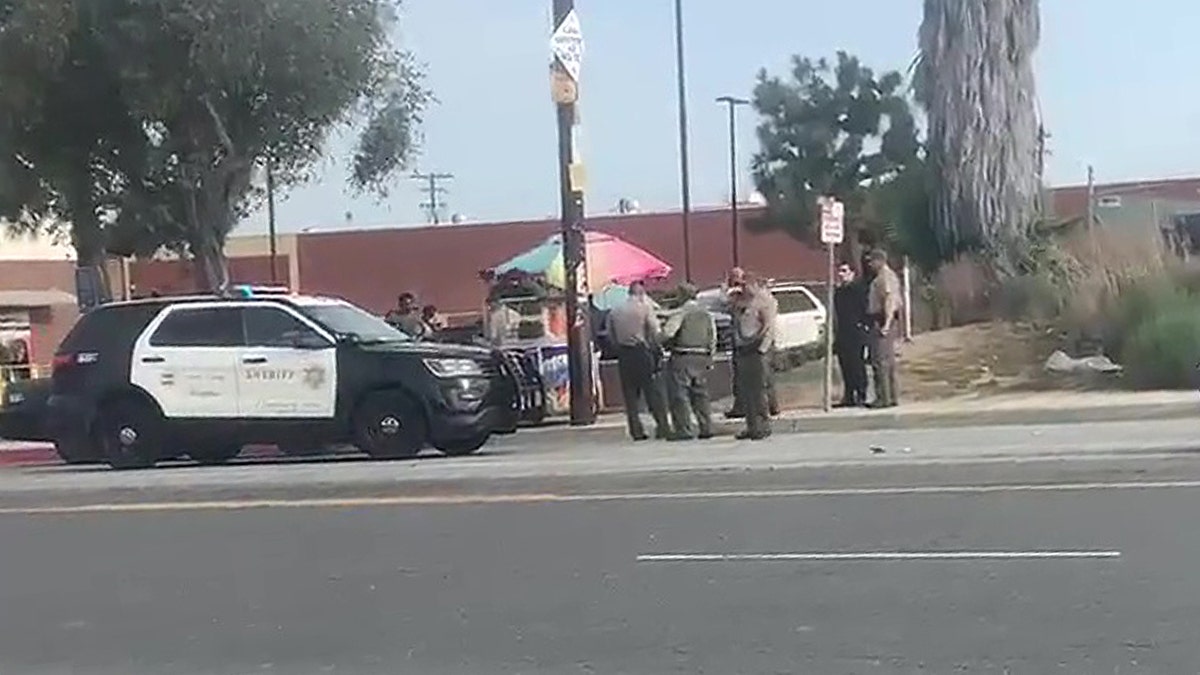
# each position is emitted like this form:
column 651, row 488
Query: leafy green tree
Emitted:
column 975, row 79
column 64, row 128
column 215, row 89
column 831, row 129
column 898, row 213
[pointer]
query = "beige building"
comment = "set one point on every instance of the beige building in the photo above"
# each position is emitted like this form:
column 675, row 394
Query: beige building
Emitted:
column 37, row 293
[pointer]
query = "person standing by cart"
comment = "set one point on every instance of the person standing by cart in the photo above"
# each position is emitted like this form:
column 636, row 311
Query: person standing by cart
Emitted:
column 691, row 336
column 633, row 328
column 406, row 317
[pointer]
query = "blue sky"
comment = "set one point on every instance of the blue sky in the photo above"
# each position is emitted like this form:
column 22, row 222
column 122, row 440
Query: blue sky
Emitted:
column 1115, row 85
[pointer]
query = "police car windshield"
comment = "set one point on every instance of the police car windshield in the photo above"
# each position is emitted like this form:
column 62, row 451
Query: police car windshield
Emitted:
column 351, row 322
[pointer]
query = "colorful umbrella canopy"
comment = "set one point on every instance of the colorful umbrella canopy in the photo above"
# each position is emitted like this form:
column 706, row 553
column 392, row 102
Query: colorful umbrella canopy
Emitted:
column 613, row 295
column 609, row 261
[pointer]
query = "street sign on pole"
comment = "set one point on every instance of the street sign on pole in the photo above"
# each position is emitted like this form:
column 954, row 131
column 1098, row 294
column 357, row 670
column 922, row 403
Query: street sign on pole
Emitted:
column 833, row 215
column 567, row 44
column 833, row 232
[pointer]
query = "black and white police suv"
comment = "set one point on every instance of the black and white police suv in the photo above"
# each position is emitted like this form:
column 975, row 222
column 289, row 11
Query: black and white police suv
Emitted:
column 144, row 380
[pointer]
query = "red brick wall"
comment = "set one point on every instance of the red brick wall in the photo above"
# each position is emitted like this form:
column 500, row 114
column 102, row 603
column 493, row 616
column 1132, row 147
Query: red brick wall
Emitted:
column 175, row 276
column 442, row 264
column 48, row 325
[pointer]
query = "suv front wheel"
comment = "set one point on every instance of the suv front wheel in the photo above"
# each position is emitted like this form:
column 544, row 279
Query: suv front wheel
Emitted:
column 388, row 425
column 129, row 433
column 463, row 446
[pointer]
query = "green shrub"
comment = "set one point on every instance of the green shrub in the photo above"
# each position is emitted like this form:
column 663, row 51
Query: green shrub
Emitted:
column 1139, row 304
column 1162, row 351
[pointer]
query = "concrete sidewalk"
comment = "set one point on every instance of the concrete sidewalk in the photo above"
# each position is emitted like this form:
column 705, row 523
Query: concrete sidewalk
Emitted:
column 536, row 466
column 1032, row 408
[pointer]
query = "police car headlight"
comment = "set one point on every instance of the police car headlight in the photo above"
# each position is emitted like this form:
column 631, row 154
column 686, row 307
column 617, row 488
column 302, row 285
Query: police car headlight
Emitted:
column 454, row 367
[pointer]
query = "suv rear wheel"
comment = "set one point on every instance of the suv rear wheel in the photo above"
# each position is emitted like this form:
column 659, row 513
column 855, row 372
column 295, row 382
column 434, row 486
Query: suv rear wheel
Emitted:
column 130, row 434
column 388, row 425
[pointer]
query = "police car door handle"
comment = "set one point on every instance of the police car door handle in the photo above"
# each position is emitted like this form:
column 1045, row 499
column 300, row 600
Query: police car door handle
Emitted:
column 152, row 359
column 254, row 359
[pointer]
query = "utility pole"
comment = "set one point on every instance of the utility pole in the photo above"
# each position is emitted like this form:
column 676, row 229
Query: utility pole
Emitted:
column 1091, row 197
column 566, row 44
column 733, row 104
column 684, row 166
column 434, row 191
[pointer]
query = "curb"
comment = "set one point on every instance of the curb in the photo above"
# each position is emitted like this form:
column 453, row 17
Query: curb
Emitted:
column 901, row 420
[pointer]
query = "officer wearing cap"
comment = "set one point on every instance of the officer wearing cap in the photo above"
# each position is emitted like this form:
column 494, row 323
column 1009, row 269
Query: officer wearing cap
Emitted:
column 691, row 335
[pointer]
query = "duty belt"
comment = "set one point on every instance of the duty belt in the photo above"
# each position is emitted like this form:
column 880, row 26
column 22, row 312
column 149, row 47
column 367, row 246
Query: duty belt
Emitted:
column 702, row 351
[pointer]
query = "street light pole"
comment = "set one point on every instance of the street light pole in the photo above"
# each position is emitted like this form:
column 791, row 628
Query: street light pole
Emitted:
column 567, row 44
column 272, row 236
column 684, row 171
column 733, row 103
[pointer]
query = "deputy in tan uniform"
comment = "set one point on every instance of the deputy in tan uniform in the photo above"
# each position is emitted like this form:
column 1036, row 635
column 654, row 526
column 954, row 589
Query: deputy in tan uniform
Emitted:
column 754, row 318
column 633, row 328
column 883, row 314
column 691, row 336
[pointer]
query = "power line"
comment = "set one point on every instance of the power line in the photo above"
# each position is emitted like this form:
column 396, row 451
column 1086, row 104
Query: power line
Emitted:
column 433, row 192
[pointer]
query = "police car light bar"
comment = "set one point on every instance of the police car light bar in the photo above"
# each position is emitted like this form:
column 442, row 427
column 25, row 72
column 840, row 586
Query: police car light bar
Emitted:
column 248, row 291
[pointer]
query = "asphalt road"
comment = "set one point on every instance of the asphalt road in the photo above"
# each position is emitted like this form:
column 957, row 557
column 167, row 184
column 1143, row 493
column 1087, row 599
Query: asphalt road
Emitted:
column 1096, row 578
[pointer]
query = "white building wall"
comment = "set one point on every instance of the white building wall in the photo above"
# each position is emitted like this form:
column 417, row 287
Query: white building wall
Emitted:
column 23, row 247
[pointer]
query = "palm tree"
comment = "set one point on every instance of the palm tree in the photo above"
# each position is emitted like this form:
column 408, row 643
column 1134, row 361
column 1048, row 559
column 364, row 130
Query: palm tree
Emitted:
column 974, row 77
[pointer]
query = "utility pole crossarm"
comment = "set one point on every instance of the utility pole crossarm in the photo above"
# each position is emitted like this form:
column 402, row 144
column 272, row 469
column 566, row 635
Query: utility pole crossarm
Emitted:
column 433, row 189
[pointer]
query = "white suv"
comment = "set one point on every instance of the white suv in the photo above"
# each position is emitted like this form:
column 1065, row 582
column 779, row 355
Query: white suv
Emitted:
column 802, row 315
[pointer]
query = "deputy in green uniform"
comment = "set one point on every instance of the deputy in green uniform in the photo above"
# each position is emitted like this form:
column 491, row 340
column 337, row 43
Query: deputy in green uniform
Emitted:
column 691, row 335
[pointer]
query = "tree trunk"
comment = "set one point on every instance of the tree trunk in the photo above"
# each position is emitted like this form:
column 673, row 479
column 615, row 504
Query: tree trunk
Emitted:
column 87, row 235
column 976, row 81
column 210, row 268
column 207, row 241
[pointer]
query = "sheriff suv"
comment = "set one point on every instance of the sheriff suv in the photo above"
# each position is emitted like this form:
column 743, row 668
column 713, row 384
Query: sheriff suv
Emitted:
column 141, row 381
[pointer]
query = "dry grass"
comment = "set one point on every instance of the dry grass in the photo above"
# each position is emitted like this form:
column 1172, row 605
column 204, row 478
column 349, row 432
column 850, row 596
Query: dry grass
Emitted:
column 981, row 359
column 977, row 348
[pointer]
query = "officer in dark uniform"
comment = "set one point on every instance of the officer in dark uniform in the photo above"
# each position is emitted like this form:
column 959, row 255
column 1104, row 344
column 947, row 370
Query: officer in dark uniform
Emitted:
column 850, row 336
column 691, row 335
